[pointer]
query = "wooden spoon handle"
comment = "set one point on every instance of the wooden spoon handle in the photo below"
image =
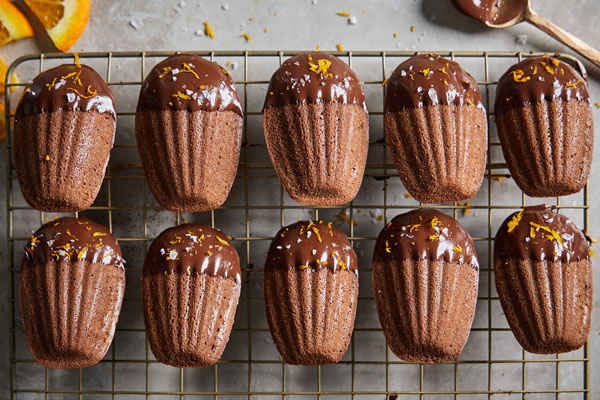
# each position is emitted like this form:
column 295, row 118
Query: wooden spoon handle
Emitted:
column 565, row 37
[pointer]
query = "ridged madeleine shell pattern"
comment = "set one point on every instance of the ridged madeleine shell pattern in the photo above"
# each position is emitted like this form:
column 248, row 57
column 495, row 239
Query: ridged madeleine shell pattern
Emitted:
column 548, row 304
column 190, row 158
column 189, row 317
column 311, row 313
column 425, row 307
column 319, row 151
column 70, row 311
column 439, row 151
column 61, row 158
column 548, row 146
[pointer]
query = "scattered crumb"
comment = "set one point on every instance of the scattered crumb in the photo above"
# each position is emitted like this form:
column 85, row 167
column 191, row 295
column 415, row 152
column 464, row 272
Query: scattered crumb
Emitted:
column 310, row 212
column 135, row 24
column 199, row 32
column 179, row 6
column 208, row 30
column 395, row 34
column 266, row 30
column 225, row 7
column 247, row 37
column 352, row 20
column 521, row 39
column 385, row 81
column 228, row 63
column 185, row 221
column 467, row 210
column 318, row 47
column 251, row 19
column 339, row 47
column 408, row 195
column 344, row 14
column 412, row 28
column 380, row 217
column 47, row 158
column 359, row 211
column 597, row 104
column 497, row 178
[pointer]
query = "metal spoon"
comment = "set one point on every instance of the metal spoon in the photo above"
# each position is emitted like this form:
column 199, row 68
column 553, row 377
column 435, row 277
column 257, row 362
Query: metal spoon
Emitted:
column 506, row 13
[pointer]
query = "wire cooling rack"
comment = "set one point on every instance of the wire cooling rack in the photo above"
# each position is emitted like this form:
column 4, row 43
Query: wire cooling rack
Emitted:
column 492, row 364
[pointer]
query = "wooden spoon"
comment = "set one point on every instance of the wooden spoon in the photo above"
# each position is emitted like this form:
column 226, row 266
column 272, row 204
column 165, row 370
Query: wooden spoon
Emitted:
column 506, row 13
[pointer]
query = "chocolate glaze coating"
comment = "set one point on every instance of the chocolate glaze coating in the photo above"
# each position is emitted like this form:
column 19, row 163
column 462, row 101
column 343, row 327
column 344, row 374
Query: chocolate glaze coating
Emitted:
column 540, row 233
column 426, row 234
column 314, row 244
column 297, row 81
column 68, row 87
column 189, row 82
column 73, row 239
column 193, row 249
column 490, row 11
column 537, row 79
column 428, row 79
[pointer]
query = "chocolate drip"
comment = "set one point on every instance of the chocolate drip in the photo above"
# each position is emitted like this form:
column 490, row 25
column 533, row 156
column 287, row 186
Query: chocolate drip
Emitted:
column 311, row 244
column 427, row 80
column 540, row 233
column 426, row 234
column 189, row 82
column 69, row 87
column 537, row 79
column 491, row 11
column 314, row 78
column 73, row 239
column 193, row 249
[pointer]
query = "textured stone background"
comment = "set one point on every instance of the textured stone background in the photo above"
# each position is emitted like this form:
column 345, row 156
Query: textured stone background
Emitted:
column 301, row 25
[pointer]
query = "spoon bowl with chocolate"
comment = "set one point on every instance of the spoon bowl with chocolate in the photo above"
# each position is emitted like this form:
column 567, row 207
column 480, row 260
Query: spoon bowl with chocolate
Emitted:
column 506, row 13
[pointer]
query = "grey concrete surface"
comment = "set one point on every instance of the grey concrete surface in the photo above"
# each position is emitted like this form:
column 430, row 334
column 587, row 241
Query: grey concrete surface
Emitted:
column 301, row 25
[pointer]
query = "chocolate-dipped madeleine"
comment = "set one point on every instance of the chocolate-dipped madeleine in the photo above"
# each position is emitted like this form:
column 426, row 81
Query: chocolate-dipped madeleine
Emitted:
column 436, row 128
column 191, row 286
column 64, row 131
column 545, row 126
column 311, row 290
column 543, row 276
column 71, row 290
column 425, row 277
column 316, row 128
column 188, row 127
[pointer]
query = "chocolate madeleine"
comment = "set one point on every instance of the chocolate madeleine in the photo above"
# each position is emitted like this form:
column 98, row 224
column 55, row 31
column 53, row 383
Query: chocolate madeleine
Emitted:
column 545, row 126
column 310, row 290
column 64, row 131
column 543, row 277
column 190, row 287
column 71, row 290
column 436, row 128
column 317, row 129
column 188, row 127
column 425, row 277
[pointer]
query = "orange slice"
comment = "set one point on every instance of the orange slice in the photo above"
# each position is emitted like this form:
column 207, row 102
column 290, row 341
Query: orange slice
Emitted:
column 2, row 122
column 13, row 24
column 64, row 20
column 3, row 70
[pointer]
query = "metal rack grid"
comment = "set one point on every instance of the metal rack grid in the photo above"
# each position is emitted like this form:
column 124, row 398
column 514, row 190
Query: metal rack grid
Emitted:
column 380, row 170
